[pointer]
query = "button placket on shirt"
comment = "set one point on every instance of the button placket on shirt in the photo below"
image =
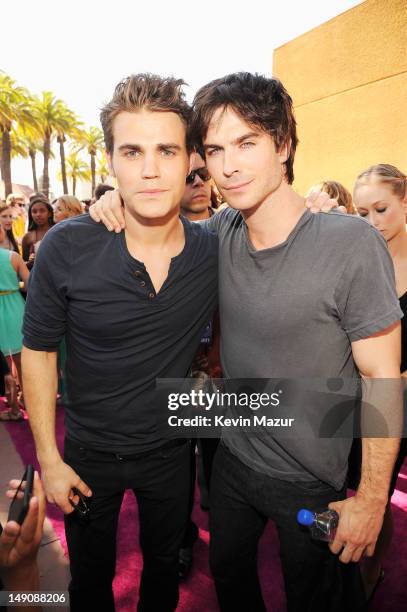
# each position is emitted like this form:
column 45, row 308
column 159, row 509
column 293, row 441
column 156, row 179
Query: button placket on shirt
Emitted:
column 139, row 274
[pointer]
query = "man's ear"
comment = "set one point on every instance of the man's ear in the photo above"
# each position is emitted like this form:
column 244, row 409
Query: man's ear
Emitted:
column 284, row 152
column 110, row 164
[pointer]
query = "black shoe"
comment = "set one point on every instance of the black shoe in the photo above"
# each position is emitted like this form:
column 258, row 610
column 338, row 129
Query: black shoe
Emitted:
column 185, row 558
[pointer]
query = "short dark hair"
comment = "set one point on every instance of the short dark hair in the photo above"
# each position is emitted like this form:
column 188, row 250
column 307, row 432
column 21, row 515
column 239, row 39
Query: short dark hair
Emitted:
column 148, row 91
column 101, row 189
column 261, row 102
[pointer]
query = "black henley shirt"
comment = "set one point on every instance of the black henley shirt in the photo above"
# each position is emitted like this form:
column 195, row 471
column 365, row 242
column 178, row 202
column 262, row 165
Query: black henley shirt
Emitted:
column 121, row 335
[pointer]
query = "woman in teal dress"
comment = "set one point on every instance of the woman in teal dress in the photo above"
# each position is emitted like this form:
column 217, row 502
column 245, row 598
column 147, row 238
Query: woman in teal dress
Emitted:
column 12, row 268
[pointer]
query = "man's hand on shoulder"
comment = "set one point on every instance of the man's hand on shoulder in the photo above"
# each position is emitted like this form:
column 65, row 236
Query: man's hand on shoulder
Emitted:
column 109, row 210
column 319, row 201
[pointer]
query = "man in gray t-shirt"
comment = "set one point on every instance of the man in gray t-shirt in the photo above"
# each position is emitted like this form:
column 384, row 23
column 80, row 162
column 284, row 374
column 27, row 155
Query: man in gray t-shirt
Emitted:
column 301, row 296
column 296, row 314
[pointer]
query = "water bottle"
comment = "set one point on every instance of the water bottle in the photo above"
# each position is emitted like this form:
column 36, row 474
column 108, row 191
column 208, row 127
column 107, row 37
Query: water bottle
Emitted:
column 322, row 525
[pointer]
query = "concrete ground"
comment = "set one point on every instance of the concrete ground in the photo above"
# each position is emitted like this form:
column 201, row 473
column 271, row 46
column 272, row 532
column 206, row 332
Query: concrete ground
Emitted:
column 53, row 565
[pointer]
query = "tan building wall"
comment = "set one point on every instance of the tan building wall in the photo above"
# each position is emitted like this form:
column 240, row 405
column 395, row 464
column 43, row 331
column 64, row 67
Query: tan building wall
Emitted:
column 348, row 81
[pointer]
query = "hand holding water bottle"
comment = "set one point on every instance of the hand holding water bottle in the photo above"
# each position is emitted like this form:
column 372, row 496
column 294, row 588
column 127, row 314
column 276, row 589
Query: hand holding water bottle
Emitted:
column 360, row 522
column 351, row 526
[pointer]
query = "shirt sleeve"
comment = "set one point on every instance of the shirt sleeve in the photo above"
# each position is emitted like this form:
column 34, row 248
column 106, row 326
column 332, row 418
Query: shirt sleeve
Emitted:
column 366, row 295
column 46, row 307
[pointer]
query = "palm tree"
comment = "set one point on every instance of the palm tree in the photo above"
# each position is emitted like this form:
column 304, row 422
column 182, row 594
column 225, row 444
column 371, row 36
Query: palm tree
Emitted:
column 31, row 141
column 17, row 145
column 15, row 105
column 93, row 141
column 102, row 169
column 53, row 121
column 76, row 169
column 71, row 126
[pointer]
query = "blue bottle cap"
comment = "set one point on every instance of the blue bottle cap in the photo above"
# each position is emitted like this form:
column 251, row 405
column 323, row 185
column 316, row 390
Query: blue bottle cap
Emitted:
column 305, row 517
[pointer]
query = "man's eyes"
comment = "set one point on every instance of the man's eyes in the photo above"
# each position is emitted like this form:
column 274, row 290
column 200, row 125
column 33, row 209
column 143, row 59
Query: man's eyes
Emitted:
column 244, row 145
column 132, row 153
column 167, row 152
column 381, row 210
column 213, row 151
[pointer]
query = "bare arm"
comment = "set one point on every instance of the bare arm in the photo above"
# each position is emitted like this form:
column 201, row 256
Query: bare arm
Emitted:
column 379, row 358
column 40, row 391
column 361, row 517
column 20, row 268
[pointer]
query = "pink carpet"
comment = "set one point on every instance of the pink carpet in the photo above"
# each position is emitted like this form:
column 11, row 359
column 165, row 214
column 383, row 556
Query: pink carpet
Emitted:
column 197, row 594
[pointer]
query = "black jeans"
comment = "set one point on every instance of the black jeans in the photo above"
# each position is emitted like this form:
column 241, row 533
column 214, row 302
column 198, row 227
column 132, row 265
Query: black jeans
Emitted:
column 160, row 480
column 242, row 501
column 208, row 448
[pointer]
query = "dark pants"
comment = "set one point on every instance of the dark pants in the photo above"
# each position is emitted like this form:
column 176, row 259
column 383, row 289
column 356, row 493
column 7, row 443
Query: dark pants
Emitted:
column 208, row 448
column 242, row 501
column 160, row 481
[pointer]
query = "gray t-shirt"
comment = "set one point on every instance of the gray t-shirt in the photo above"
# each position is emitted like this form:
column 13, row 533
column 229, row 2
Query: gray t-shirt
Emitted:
column 292, row 311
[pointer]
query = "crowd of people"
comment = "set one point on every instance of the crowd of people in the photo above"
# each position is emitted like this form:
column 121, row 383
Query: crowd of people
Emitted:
column 257, row 288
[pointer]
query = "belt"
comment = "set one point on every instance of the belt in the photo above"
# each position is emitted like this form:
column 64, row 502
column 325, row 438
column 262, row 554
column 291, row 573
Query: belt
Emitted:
column 91, row 453
column 8, row 292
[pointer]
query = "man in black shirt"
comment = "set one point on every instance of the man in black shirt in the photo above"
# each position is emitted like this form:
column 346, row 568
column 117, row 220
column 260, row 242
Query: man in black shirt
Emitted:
column 133, row 307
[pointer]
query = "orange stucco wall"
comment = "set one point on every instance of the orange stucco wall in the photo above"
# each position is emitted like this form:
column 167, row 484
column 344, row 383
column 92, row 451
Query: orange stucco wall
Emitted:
column 348, row 81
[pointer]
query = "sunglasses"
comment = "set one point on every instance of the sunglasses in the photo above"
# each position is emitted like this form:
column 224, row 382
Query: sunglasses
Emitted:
column 201, row 172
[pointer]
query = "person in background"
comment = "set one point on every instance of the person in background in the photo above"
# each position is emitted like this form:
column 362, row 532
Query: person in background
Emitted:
column 101, row 189
column 8, row 387
column 40, row 220
column 12, row 268
column 19, row 546
column 339, row 193
column 7, row 238
column 86, row 203
column 380, row 196
column 199, row 200
column 19, row 215
column 38, row 195
column 66, row 207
